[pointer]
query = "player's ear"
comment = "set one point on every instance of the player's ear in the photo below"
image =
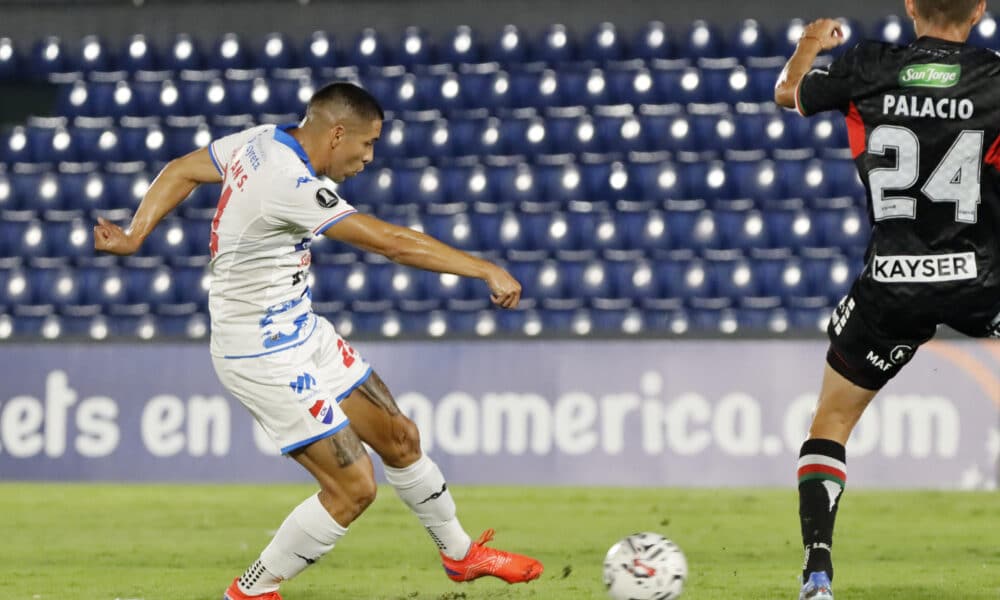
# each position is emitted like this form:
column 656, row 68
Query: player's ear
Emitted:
column 911, row 9
column 337, row 134
column 980, row 11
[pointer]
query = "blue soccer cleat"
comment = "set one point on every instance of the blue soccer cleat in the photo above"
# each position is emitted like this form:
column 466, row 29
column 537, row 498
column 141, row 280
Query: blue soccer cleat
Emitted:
column 817, row 587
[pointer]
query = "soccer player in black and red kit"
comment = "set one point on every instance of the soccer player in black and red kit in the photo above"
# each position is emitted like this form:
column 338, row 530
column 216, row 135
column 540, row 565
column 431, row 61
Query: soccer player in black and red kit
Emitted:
column 924, row 128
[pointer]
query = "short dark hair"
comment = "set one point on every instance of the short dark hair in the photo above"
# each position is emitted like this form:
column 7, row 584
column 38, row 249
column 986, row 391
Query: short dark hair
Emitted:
column 354, row 98
column 946, row 11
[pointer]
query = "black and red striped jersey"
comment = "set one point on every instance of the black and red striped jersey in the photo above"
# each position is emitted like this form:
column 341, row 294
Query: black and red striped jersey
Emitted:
column 924, row 128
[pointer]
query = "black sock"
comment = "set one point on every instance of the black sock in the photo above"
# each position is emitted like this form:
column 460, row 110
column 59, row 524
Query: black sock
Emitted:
column 822, row 476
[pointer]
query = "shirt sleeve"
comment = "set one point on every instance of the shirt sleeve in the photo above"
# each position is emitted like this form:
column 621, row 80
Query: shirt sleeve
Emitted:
column 222, row 149
column 308, row 203
column 827, row 89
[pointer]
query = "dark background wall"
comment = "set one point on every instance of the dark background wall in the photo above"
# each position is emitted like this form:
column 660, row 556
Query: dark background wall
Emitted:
column 24, row 20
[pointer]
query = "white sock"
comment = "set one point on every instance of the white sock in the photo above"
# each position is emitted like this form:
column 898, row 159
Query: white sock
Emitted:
column 422, row 487
column 307, row 534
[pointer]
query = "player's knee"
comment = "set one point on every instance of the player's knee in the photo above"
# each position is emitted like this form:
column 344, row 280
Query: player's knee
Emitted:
column 405, row 442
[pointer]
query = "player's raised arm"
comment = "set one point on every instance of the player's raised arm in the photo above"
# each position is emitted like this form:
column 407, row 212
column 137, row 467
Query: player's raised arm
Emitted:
column 174, row 183
column 824, row 34
column 414, row 249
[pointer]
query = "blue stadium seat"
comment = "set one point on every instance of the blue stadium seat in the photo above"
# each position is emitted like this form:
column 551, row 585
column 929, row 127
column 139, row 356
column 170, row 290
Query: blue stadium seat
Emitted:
column 632, row 86
column 588, row 280
column 574, row 134
column 714, row 131
column 48, row 140
column 894, row 30
column 291, row 90
column 703, row 40
column 430, row 139
column 644, row 230
column 125, row 184
column 525, row 136
column 377, row 187
column 985, row 34
column 138, row 54
column 499, row 231
column 652, row 42
column 748, row 39
column 319, row 51
column 659, row 181
column 228, row 52
column 805, row 179
column 462, row 47
column 467, row 184
column 15, row 287
column 37, row 191
column 491, row 90
column 631, row 279
column 683, row 85
column 829, row 277
column 368, row 50
column 70, row 239
column 781, row 277
column 415, row 48
column 442, row 92
column 733, row 278
column 48, row 55
column 693, row 228
column 608, row 182
column 682, row 279
column 511, row 47
column 192, row 285
column 620, row 134
column 847, row 230
column 147, row 143
column 514, row 184
column 158, row 97
column 10, row 60
column 346, row 283
column 603, row 44
column 534, row 89
column 93, row 55
column 167, row 240
column 400, row 92
column 562, row 183
column 8, row 198
column 32, row 241
column 251, row 96
column 185, row 53
column 15, row 146
column 203, row 95
column 791, row 229
column 275, row 51
column 454, row 229
column 742, row 229
column 709, row 181
column 420, row 185
column 556, row 45
column 589, row 88
column 764, row 131
column 787, row 37
column 102, row 286
column 57, row 286
column 187, row 135
column 843, row 177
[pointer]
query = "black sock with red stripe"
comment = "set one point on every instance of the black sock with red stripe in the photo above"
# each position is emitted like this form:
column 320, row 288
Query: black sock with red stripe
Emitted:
column 822, row 476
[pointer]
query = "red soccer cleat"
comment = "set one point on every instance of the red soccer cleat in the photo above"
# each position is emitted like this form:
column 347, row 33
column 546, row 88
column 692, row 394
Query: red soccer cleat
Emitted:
column 233, row 593
column 482, row 561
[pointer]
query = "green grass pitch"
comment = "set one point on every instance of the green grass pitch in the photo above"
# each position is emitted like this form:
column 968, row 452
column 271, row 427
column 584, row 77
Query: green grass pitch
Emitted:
column 107, row 542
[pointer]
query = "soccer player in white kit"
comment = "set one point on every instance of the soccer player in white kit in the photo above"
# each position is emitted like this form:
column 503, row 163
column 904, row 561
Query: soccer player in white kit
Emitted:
column 313, row 394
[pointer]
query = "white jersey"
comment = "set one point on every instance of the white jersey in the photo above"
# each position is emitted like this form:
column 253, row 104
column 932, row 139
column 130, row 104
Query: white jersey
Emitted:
column 271, row 207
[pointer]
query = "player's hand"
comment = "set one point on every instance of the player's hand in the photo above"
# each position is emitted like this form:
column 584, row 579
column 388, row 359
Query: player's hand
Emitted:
column 828, row 32
column 505, row 291
column 112, row 239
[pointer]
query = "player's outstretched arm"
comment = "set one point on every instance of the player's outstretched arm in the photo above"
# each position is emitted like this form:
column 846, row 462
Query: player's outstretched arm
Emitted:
column 174, row 183
column 414, row 249
column 824, row 34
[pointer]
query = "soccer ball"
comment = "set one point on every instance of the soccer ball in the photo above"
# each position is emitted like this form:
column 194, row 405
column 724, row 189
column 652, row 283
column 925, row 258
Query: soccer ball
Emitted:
column 645, row 566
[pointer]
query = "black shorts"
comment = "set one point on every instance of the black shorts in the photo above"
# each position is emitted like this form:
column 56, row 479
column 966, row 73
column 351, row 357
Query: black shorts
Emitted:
column 878, row 327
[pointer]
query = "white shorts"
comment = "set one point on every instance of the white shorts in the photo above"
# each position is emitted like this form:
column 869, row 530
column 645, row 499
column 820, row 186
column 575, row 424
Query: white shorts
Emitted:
column 294, row 394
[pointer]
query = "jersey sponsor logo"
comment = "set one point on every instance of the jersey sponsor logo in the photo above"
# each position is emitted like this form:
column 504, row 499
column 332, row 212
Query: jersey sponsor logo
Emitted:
column 931, row 75
column 322, row 412
column 931, row 108
column 302, row 383
column 925, row 269
column 901, row 354
column 327, row 198
column 878, row 362
column 842, row 314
